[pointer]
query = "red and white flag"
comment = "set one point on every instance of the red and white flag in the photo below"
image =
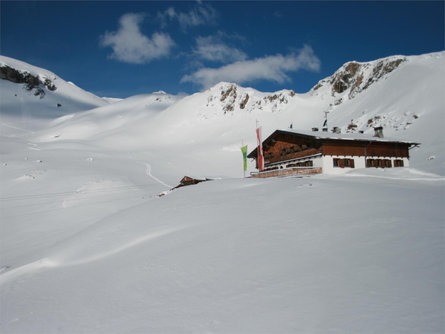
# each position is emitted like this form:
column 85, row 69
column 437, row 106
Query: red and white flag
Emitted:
column 260, row 149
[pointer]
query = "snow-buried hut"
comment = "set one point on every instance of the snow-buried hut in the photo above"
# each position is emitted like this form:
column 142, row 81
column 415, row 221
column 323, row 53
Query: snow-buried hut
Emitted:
column 287, row 152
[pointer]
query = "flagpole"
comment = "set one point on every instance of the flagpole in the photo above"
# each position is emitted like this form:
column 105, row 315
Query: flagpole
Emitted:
column 260, row 162
column 244, row 171
column 258, row 148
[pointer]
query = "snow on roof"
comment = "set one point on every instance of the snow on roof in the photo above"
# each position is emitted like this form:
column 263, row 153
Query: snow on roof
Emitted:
column 341, row 136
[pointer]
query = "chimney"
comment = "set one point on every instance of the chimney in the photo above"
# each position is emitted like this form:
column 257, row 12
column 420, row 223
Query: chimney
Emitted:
column 378, row 131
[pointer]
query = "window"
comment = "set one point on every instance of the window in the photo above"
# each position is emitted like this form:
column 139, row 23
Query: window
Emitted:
column 342, row 163
column 398, row 163
column 301, row 164
column 382, row 163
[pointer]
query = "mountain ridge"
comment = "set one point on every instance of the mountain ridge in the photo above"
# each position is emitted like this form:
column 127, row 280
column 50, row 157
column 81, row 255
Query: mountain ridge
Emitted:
column 28, row 91
column 400, row 93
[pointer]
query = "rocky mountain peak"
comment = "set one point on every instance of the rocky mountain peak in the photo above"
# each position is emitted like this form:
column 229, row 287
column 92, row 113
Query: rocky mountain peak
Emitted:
column 354, row 77
column 230, row 97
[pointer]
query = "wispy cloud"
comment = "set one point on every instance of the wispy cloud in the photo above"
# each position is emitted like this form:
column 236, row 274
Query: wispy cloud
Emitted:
column 131, row 46
column 277, row 14
column 211, row 48
column 272, row 68
column 199, row 15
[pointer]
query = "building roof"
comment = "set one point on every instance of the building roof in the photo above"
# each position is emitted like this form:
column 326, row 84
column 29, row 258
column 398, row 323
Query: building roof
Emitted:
column 341, row 136
column 329, row 136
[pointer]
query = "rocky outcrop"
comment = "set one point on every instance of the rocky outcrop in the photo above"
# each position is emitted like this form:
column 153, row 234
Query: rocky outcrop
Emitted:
column 381, row 69
column 354, row 77
column 32, row 83
column 231, row 98
column 244, row 101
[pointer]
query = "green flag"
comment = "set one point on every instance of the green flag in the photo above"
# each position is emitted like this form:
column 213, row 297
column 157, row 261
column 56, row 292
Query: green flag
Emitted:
column 244, row 150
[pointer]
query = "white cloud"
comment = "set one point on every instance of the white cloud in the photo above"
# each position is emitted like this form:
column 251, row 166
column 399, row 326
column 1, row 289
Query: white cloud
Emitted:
column 213, row 49
column 271, row 68
column 131, row 46
column 198, row 15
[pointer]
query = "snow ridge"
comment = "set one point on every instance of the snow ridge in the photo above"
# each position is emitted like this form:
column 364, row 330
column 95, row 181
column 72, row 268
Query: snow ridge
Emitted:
column 33, row 92
column 229, row 98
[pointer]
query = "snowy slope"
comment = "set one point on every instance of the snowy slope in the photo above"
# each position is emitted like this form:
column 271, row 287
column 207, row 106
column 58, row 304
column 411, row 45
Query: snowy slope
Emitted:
column 44, row 96
column 173, row 127
column 87, row 246
column 407, row 101
column 109, row 119
column 234, row 256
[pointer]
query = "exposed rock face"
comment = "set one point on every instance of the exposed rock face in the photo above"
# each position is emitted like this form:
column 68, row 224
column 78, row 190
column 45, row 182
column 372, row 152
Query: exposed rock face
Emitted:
column 244, row 101
column 354, row 77
column 230, row 98
column 381, row 69
column 341, row 81
column 32, row 83
column 230, row 95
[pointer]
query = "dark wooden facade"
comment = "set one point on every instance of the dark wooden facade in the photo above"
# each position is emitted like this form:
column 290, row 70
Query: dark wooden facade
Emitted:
column 365, row 148
column 283, row 146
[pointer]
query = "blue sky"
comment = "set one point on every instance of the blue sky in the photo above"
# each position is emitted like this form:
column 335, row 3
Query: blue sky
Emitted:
column 119, row 49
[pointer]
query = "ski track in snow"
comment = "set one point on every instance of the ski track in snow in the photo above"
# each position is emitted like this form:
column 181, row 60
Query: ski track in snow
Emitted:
column 16, row 128
column 148, row 172
column 46, row 263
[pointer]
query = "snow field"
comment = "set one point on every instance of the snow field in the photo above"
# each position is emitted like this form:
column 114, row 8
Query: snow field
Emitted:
column 233, row 256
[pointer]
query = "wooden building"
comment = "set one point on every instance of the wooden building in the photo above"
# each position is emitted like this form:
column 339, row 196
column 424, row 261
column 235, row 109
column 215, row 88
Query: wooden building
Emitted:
column 298, row 152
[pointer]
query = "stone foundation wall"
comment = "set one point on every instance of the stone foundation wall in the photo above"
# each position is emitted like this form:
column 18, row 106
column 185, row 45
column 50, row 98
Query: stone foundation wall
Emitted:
column 288, row 172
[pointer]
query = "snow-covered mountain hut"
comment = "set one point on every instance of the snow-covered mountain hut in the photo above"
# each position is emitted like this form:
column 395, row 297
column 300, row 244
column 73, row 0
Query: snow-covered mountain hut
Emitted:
column 287, row 152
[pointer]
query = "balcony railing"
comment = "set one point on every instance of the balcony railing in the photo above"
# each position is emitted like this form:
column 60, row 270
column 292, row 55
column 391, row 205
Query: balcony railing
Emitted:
column 287, row 172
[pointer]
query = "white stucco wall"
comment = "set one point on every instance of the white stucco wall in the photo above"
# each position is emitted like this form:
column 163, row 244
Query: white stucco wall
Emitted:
column 318, row 161
column 405, row 162
column 328, row 164
column 359, row 162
